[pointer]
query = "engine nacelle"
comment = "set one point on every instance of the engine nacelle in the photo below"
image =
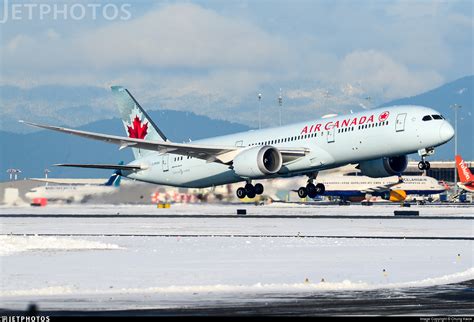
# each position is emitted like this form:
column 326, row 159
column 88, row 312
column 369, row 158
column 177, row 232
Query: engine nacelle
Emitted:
column 384, row 167
column 257, row 162
column 395, row 195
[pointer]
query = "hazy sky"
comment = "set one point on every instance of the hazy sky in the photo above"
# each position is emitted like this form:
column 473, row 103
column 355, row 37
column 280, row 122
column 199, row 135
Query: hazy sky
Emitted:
column 203, row 53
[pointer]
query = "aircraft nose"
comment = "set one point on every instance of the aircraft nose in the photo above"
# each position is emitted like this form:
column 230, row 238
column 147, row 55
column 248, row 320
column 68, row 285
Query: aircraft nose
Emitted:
column 446, row 132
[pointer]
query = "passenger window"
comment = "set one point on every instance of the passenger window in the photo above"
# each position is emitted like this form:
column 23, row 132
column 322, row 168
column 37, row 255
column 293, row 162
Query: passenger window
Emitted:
column 426, row 118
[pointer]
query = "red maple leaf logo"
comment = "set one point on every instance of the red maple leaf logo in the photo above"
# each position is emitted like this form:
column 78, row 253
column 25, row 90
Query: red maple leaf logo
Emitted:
column 137, row 131
column 384, row 116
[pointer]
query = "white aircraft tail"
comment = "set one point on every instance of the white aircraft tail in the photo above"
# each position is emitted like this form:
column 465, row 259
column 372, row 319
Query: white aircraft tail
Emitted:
column 137, row 123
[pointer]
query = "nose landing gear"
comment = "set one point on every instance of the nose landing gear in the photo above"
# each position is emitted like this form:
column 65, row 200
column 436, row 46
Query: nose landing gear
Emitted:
column 425, row 165
column 250, row 190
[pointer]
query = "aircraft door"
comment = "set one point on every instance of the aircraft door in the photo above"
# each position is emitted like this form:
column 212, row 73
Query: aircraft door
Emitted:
column 400, row 123
column 165, row 162
column 331, row 135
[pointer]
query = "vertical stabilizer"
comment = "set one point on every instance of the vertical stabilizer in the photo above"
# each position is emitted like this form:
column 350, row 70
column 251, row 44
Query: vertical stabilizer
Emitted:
column 115, row 178
column 465, row 174
column 137, row 123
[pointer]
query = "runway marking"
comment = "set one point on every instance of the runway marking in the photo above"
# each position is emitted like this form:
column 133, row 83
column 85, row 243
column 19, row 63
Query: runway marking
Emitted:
column 246, row 236
column 237, row 216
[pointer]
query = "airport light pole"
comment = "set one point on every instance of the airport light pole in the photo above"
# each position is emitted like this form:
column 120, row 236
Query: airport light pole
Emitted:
column 259, row 110
column 14, row 173
column 280, row 103
column 11, row 172
column 455, row 107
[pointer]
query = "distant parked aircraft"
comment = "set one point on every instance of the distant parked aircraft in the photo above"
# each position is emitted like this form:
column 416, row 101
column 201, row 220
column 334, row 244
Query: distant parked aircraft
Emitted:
column 358, row 188
column 466, row 179
column 74, row 192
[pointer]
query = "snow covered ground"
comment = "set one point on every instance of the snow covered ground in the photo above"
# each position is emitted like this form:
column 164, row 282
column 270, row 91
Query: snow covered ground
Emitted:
column 126, row 263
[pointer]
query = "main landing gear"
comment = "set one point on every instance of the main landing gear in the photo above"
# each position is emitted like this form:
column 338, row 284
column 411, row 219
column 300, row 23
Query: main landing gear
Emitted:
column 425, row 165
column 311, row 190
column 250, row 190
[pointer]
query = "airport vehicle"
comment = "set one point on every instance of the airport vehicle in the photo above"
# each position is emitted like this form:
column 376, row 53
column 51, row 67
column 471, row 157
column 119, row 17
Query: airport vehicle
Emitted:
column 76, row 192
column 358, row 188
column 377, row 140
column 466, row 179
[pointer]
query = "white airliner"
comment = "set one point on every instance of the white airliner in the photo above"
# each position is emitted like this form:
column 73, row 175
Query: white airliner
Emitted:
column 75, row 192
column 358, row 188
column 377, row 140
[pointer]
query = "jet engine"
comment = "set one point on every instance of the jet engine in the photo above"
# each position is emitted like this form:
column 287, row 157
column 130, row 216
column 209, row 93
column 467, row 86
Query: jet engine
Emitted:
column 395, row 195
column 257, row 162
column 384, row 167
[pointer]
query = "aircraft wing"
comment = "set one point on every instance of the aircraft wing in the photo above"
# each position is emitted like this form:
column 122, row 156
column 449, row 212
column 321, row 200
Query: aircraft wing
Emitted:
column 210, row 153
column 381, row 188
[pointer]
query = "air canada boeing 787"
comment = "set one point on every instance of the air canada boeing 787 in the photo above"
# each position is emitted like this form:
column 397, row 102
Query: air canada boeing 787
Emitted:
column 377, row 140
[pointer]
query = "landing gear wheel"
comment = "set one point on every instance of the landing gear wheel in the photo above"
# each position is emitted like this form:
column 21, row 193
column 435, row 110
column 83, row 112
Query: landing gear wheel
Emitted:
column 320, row 189
column 241, row 193
column 311, row 190
column 251, row 194
column 302, row 193
column 424, row 165
column 421, row 165
column 258, row 188
column 250, row 190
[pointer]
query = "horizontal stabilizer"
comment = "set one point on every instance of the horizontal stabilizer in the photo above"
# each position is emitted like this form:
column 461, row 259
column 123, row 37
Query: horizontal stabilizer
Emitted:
column 71, row 181
column 102, row 166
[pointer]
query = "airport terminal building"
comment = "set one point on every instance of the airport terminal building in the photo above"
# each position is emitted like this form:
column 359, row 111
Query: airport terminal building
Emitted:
column 440, row 170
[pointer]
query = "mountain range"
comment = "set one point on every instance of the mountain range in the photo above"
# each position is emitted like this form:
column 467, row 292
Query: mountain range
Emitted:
column 32, row 152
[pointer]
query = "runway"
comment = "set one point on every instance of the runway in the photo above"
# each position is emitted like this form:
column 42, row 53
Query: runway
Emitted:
column 245, row 236
column 234, row 216
column 304, row 260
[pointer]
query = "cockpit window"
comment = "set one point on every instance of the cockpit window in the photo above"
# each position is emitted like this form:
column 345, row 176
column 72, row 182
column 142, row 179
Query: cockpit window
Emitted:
column 437, row 117
column 426, row 118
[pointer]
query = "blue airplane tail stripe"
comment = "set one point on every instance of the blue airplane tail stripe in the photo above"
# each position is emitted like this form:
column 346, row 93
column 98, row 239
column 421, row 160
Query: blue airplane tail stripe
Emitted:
column 115, row 178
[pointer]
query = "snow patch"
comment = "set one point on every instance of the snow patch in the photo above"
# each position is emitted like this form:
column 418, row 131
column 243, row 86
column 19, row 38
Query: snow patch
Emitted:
column 52, row 290
column 16, row 244
column 345, row 285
